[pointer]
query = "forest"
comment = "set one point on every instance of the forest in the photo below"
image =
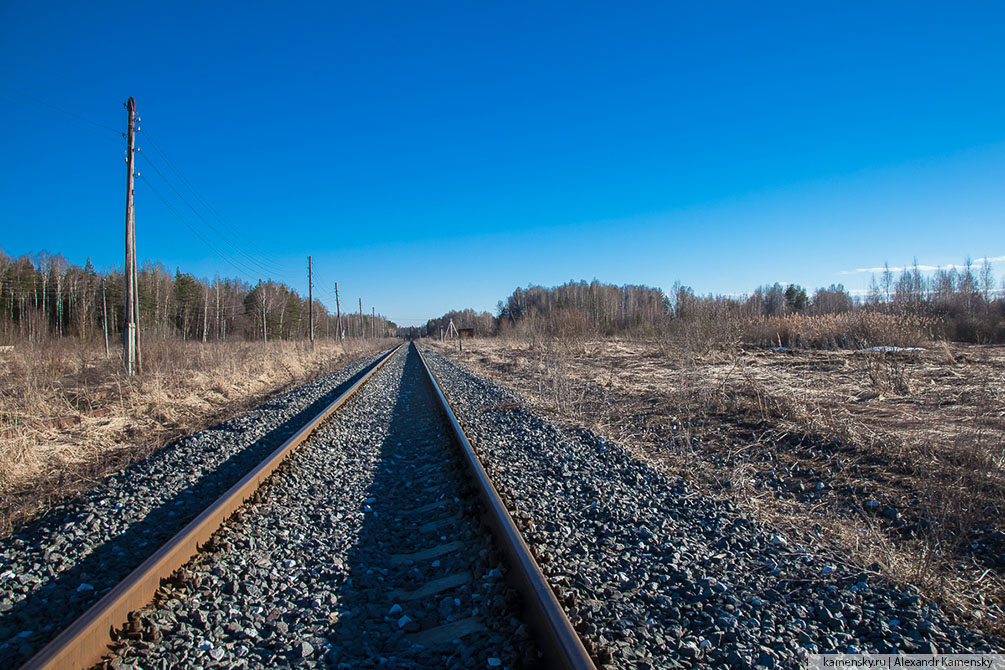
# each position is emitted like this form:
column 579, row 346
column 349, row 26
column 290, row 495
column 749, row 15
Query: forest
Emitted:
column 43, row 295
column 961, row 304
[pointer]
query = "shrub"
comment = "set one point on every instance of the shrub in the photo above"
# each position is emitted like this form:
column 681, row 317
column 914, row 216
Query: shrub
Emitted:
column 851, row 330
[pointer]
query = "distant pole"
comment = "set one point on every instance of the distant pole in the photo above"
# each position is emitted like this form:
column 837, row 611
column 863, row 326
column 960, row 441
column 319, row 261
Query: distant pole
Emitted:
column 310, row 297
column 205, row 314
column 104, row 311
column 129, row 333
column 338, row 316
column 362, row 331
column 373, row 321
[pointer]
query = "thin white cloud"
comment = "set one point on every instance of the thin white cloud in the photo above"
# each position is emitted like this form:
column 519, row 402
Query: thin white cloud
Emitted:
column 924, row 268
column 853, row 292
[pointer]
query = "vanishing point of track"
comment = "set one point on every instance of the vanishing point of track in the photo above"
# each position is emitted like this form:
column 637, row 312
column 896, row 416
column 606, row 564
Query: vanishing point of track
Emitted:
column 88, row 639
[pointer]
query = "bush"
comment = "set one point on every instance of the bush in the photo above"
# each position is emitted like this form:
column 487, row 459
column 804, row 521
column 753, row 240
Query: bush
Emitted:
column 839, row 331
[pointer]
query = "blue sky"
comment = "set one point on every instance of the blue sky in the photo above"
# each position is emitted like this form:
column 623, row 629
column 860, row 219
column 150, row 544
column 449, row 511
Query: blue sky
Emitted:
column 437, row 155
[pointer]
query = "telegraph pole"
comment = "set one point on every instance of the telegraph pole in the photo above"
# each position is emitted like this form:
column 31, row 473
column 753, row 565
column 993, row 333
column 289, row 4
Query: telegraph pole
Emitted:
column 130, row 339
column 362, row 329
column 310, row 297
column 104, row 311
column 373, row 321
column 338, row 316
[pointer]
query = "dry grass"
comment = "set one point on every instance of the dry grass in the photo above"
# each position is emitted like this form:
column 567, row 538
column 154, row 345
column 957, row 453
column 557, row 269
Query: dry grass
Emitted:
column 917, row 432
column 69, row 415
column 835, row 331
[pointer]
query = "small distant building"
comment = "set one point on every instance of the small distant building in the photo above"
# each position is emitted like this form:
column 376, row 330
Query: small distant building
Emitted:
column 466, row 333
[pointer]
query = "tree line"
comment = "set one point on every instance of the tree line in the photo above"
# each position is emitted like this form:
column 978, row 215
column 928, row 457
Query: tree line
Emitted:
column 963, row 301
column 43, row 295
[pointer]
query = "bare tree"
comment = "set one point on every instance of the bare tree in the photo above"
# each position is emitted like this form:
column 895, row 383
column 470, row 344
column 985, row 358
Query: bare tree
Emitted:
column 887, row 282
column 987, row 281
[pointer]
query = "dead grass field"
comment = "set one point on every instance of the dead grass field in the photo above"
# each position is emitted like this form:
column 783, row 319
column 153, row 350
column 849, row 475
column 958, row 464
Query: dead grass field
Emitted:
column 69, row 415
column 896, row 460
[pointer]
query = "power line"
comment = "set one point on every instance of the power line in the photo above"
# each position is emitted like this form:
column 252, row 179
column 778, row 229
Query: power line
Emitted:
column 244, row 270
column 326, row 283
column 267, row 268
column 247, row 272
column 52, row 93
column 68, row 121
column 192, row 207
column 261, row 268
column 199, row 197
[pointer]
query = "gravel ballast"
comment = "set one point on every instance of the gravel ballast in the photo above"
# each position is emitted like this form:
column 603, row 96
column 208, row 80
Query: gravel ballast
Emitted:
column 52, row 570
column 324, row 568
column 656, row 575
column 363, row 550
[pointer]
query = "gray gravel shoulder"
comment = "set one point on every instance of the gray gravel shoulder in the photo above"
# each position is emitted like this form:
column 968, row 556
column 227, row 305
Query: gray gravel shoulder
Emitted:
column 659, row 575
column 52, row 570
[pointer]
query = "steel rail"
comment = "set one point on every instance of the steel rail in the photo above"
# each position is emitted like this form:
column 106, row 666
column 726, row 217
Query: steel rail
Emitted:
column 559, row 641
column 86, row 640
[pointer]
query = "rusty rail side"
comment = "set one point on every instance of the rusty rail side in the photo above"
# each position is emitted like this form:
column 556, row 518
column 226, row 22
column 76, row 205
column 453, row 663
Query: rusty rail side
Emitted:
column 86, row 640
column 559, row 641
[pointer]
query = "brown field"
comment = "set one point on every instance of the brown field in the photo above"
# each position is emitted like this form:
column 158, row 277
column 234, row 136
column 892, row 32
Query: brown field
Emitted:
column 69, row 415
column 895, row 461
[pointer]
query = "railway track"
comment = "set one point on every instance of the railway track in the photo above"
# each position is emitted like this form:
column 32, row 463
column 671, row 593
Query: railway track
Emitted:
column 369, row 543
column 367, row 549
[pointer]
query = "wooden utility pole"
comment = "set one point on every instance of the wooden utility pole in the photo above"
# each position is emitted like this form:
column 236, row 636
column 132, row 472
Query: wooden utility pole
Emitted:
column 217, row 287
column 129, row 335
column 362, row 330
column 373, row 321
column 205, row 314
column 104, row 311
column 310, row 297
column 262, row 304
column 338, row 316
